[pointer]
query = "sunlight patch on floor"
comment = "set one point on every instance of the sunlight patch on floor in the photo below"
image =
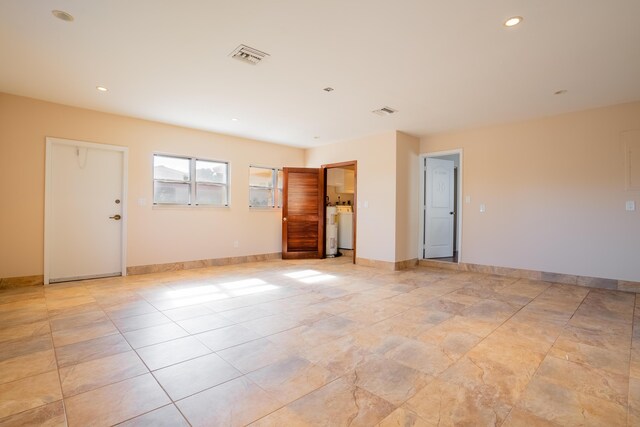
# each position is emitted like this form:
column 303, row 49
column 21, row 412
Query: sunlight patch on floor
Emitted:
column 242, row 283
column 318, row 278
column 310, row 276
column 302, row 273
column 198, row 290
column 206, row 293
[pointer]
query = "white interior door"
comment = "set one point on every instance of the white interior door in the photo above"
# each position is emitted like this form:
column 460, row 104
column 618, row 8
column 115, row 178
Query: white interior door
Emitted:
column 84, row 210
column 439, row 205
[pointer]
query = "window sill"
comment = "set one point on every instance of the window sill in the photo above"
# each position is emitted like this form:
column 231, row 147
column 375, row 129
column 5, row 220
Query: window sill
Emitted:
column 264, row 209
column 188, row 207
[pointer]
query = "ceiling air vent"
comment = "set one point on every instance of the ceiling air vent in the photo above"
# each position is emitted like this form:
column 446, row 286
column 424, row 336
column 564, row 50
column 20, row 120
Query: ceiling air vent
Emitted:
column 248, row 54
column 385, row 111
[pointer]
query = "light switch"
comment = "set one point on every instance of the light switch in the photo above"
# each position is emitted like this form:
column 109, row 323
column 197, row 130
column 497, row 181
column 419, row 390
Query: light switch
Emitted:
column 366, row 204
column 467, row 199
column 142, row 201
column 631, row 205
column 483, row 208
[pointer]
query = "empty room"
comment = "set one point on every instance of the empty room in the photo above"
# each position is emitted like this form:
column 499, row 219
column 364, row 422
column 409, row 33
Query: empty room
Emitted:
column 319, row 213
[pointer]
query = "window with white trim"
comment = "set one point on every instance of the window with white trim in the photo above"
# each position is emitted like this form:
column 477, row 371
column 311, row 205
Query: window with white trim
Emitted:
column 190, row 181
column 265, row 187
column 280, row 178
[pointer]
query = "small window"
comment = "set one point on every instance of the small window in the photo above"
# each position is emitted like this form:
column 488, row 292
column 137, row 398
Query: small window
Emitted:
column 211, row 183
column 190, row 181
column 280, row 196
column 264, row 187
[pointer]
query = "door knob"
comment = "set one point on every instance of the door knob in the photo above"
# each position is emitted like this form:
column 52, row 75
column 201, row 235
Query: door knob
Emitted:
column 116, row 217
column 284, row 219
column 450, row 213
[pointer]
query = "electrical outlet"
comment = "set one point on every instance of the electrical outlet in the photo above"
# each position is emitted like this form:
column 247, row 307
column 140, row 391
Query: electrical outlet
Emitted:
column 467, row 199
column 236, row 244
column 630, row 205
column 483, row 208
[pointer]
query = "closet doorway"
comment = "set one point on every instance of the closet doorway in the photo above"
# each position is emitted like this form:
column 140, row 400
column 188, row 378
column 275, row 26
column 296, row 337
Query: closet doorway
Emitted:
column 441, row 206
column 340, row 191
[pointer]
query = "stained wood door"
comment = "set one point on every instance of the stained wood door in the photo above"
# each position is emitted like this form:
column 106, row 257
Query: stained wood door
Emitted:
column 302, row 213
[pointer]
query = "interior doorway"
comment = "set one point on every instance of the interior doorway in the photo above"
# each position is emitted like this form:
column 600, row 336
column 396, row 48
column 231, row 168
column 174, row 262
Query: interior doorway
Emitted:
column 340, row 201
column 441, row 206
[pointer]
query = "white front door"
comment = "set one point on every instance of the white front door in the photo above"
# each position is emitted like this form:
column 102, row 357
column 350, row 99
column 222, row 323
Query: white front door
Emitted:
column 439, row 205
column 84, row 210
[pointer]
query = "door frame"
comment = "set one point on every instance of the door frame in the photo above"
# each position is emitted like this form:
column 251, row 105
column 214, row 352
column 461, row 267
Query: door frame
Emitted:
column 50, row 142
column 422, row 206
column 324, row 168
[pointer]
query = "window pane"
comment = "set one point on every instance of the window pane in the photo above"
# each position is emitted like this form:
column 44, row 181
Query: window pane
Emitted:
column 171, row 168
column 213, row 172
column 260, row 177
column 260, row 197
column 208, row 194
column 171, row 193
column 280, row 183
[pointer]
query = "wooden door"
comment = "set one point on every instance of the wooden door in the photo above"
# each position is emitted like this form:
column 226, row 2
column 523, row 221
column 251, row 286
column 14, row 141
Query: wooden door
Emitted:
column 303, row 213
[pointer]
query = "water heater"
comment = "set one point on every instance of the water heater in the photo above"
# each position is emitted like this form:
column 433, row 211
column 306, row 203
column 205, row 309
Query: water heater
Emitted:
column 331, row 231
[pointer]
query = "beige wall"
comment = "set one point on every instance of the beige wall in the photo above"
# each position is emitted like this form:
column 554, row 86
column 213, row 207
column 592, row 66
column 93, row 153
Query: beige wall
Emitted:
column 155, row 235
column 554, row 191
column 407, row 196
column 376, row 184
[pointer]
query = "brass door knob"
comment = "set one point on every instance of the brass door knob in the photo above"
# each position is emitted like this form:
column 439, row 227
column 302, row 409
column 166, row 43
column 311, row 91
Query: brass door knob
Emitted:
column 116, row 217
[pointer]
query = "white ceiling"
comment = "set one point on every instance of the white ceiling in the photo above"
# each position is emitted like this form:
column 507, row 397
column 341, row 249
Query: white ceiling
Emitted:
column 444, row 65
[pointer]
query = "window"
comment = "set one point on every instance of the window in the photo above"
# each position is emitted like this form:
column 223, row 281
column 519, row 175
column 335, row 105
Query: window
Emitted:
column 280, row 196
column 190, row 181
column 211, row 183
column 171, row 180
column 265, row 187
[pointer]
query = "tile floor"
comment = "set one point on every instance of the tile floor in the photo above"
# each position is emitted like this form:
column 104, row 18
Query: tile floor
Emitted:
column 298, row 343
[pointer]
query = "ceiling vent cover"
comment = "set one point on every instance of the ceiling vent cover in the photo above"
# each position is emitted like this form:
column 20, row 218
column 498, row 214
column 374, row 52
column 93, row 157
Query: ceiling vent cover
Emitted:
column 248, row 54
column 385, row 111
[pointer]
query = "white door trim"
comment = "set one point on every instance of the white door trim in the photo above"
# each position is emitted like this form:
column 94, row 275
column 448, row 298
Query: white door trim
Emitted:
column 422, row 205
column 47, row 195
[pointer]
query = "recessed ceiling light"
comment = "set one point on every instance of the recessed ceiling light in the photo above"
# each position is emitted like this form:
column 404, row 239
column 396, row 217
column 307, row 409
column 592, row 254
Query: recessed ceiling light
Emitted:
column 101, row 88
column 328, row 89
column 234, row 120
column 560, row 92
column 62, row 15
column 513, row 21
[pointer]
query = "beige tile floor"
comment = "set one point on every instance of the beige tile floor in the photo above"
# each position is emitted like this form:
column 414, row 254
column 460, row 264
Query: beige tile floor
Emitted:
column 297, row 343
